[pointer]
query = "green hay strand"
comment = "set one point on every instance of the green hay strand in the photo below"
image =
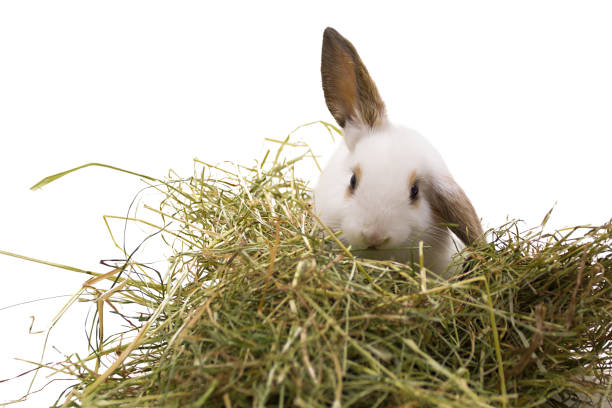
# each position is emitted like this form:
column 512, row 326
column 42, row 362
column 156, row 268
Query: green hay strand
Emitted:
column 54, row 177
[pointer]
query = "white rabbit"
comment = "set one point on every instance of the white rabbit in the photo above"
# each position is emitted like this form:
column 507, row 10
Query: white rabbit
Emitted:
column 386, row 188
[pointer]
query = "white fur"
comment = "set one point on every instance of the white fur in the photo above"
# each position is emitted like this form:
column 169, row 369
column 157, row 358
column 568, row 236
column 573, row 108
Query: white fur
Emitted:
column 387, row 156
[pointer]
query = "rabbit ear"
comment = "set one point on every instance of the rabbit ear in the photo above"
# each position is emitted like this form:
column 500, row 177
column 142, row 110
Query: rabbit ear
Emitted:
column 450, row 203
column 350, row 93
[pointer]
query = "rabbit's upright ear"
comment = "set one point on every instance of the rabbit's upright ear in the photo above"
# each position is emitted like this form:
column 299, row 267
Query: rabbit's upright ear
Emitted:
column 452, row 206
column 350, row 93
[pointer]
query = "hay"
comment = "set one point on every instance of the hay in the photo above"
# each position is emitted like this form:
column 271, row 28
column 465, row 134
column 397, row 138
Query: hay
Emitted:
column 260, row 307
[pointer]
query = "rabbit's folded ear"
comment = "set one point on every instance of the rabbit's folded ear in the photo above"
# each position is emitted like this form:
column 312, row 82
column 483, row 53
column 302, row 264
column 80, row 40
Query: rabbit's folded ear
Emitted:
column 452, row 206
column 350, row 93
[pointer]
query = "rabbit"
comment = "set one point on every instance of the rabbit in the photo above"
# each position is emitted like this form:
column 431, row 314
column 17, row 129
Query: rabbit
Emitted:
column 385, row 188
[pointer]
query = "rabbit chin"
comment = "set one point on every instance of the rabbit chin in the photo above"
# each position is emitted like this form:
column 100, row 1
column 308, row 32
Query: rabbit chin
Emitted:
column 435, row 258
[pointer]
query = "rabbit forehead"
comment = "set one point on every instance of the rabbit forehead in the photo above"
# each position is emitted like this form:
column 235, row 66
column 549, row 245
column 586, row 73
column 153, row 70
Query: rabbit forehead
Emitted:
column 389, row 156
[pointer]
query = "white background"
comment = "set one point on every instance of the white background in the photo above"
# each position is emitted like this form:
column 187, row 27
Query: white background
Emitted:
column 517, row 96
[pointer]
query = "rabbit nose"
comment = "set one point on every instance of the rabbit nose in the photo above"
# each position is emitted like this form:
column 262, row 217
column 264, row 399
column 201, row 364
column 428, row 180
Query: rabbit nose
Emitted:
column 374, row 239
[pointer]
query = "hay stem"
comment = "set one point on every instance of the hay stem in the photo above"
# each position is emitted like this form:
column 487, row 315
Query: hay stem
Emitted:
column 498, row 356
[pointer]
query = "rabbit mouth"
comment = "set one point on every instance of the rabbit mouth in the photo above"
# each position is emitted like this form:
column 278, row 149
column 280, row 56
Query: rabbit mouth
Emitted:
column 377, row 246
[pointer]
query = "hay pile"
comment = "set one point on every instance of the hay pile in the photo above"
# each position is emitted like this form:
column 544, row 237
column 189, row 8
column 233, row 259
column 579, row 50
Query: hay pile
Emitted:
column 262, row 308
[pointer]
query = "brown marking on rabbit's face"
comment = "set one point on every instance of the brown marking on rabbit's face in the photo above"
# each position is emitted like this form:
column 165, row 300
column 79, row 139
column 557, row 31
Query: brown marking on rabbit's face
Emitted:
column 353, row 181
column 412, row 179
column 350, row 92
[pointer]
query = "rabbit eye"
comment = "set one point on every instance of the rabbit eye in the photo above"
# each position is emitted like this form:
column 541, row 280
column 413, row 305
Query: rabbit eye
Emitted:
column 414, row 190
column 353, row 182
